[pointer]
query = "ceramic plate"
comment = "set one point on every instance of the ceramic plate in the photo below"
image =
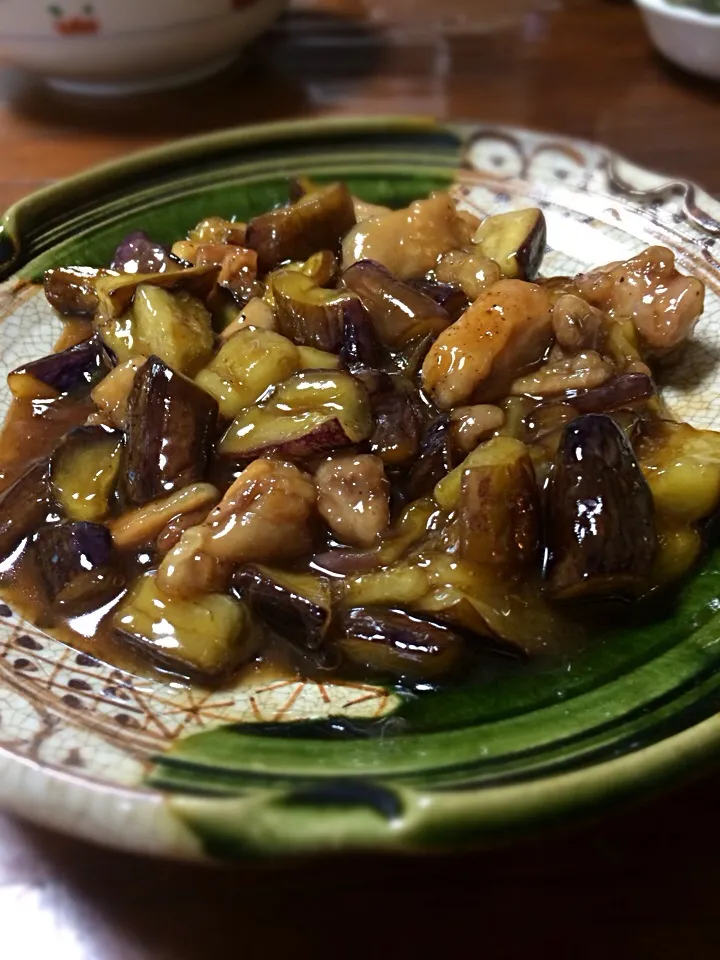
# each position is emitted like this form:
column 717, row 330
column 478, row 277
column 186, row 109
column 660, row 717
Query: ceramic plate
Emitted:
column 288, row 766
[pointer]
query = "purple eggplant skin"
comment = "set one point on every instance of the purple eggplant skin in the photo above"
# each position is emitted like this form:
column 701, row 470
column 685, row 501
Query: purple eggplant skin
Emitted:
column 74, row 371
column 24, row 506
column 318, row 221
column 399, row 312
column 615, row 393
column 290, row 615
column 446, row 295
column 398, row 428
column 398, row 643
column 171, row 429
column 599, row 514
column 360, row 344
column 137, row 253
column 436, row 459
column 75, row 560
column 71, row 291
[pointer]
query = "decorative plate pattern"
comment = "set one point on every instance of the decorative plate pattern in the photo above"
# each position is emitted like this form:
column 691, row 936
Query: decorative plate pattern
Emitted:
column 87, row 747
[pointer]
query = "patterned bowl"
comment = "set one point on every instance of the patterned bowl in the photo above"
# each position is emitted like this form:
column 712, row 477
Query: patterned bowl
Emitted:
column 111, row 47
column 283, row 766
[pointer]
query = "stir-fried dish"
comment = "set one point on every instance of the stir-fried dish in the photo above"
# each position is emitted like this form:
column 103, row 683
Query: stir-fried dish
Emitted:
column 377, row 438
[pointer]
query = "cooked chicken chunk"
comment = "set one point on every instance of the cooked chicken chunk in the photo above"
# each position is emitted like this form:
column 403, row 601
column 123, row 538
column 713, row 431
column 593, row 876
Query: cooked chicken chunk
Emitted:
column 470, row 270
column 409, row 241
column 265, row 515
column 583, row 371
column 505, row 331
column 470, row 425
column 354, row 498
column 577, row 325
column 663, row 303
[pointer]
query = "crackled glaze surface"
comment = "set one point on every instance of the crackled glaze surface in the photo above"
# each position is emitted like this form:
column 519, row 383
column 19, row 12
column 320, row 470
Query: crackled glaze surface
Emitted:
column 61, row 710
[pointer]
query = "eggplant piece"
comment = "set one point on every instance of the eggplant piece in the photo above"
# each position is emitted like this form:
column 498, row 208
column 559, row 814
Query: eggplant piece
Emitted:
column 399, row 312
column 72, row 372
column 111, row 394
column 412, row 356
column 317, row 221
column 309, row 413
column 618, row 392
column 398, row 643
column 71, row 290
column 682, row 467
column 398, row 428
column 24, row 506
column 312, row 359
column 299, row 187
column 295, row 606
column 515, row 241
column 245, row 366
column 84, row 472
column 137, row 253
column 450, row 297
column 513, row 622
column 116, row 291
column 436, row 460
column 306, row 313
column 600, row 528
column 360, row 344
column 204, row 638
column 403, row 583
column 171, row 426
column 75, row 560
column 499, row 506
column 498, row 450
column 174, row 326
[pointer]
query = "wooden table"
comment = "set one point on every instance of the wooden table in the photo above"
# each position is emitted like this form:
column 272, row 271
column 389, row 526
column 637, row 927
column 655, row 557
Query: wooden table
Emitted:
column 644, row 883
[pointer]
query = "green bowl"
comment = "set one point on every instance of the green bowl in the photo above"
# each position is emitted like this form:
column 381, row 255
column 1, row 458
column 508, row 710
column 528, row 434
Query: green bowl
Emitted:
column 286, row 766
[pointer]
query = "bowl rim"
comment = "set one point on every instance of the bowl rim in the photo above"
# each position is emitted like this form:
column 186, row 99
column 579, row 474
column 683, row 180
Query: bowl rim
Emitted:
column 680, row 13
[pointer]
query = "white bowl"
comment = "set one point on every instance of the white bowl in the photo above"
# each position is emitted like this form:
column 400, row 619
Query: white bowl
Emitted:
column 688, row 37
column 125, row 46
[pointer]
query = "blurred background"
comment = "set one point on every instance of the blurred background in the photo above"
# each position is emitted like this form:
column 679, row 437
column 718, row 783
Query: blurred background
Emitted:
column 581, row 67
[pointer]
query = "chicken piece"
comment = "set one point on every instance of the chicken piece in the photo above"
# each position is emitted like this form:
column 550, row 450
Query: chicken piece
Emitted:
column 470, row 425
column 582, row 372
column 577, row 325
column 409, row 241
column 501, row 335
column 238, row 266
column 663, row 303
column 354, row 498
column 470, row 270
column 189, row 570
column 364, row 210
column 265, row 515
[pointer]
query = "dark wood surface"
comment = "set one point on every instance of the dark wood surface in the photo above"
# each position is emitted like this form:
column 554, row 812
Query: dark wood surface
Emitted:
column 642, row 883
